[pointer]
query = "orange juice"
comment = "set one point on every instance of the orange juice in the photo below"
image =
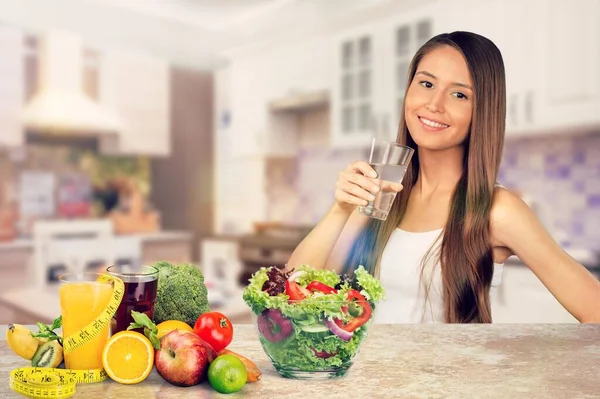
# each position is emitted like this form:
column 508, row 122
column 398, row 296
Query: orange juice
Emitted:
column 81, row 302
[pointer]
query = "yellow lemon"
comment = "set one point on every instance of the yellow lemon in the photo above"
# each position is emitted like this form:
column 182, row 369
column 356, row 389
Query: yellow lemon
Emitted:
column 167, row 326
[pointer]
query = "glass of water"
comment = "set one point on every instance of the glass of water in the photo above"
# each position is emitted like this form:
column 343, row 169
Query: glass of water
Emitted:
column 390, row 160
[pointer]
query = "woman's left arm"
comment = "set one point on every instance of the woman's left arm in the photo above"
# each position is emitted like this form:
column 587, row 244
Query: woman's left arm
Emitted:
column 515, row 226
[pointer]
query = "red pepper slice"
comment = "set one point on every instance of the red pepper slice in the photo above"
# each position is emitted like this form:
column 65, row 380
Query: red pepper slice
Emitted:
column 320, row 287
column 358, row 321
column 295, row 291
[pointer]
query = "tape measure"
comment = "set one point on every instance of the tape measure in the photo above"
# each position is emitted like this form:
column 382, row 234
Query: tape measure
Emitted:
column 42, row 382
column 36, row 382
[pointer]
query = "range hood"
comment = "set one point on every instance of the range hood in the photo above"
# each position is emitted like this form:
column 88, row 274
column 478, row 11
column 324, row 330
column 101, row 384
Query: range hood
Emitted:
column 300, row 101
column 60, row 105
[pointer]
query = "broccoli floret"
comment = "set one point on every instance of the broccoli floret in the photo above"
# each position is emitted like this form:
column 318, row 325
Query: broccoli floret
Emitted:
column 181, row 294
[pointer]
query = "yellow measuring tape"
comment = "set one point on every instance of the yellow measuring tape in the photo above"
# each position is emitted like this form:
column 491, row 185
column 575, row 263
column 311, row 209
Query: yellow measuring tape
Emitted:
column 40, row 382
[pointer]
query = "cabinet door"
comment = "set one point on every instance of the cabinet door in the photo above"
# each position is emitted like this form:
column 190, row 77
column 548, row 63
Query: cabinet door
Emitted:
column 405, row 34
column 571, row 88
column 11, row 86
column 137, row 88
column 354, row 87
column 508, row 25
column 522, row 63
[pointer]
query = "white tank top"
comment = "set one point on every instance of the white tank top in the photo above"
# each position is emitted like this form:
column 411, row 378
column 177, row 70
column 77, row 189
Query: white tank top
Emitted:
column 400, row 274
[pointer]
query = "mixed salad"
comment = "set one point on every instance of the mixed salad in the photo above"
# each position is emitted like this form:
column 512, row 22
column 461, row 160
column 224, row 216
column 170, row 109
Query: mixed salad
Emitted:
column 312, row 319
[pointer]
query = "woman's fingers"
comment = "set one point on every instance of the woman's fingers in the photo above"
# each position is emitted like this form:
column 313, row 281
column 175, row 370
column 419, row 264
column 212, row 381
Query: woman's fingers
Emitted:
column 355, row 190
column 389, row 186
column 362, row 167
column 345, row 198
column 361, row 181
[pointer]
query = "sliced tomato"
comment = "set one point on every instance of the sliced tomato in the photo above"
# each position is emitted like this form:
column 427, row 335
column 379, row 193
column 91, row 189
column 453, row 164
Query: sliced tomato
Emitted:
column 320, row 287
column 295, row 291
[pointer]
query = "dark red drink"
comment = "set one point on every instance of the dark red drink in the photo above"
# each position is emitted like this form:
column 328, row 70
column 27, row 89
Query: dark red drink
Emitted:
column 140, row 295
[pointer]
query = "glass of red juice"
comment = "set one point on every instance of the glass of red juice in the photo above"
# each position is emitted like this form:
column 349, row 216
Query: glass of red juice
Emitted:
column 141, row 283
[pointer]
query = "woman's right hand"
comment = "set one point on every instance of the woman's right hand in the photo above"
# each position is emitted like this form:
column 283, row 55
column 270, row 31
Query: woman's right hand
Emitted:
column 358, row 184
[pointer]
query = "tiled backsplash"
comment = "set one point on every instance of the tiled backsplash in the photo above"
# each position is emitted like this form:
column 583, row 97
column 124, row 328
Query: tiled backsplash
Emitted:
column 559, row 176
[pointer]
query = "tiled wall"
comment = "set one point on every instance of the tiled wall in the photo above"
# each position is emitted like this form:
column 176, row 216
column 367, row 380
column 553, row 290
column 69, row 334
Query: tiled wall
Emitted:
column 559, row 176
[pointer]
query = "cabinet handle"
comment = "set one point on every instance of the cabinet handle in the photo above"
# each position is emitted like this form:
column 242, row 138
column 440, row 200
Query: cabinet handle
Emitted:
column 512, row 111
column 529, row 107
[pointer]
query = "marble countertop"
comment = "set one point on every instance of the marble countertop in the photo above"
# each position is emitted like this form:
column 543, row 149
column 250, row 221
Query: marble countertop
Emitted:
column 407, row 361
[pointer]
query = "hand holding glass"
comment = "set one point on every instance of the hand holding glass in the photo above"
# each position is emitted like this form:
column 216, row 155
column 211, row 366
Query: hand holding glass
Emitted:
column 390, row 161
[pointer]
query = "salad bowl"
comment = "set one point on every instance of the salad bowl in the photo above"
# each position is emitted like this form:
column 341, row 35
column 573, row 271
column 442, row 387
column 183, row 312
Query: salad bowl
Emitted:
column 311, row 322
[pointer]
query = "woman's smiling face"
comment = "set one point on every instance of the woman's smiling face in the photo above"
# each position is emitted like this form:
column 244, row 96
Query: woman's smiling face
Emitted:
column 440, row 99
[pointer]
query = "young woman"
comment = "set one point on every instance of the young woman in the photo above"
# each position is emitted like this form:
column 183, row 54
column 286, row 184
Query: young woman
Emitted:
column 441, row 250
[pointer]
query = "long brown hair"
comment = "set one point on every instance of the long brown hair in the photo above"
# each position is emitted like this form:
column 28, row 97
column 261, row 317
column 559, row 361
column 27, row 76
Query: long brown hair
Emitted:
column 465, row 254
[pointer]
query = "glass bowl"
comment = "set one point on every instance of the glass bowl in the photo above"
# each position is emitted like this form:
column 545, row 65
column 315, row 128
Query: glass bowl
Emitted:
column 303, row 342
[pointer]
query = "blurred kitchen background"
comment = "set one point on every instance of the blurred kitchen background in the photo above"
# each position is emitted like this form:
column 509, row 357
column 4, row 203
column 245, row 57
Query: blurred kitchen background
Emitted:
column 212, row 131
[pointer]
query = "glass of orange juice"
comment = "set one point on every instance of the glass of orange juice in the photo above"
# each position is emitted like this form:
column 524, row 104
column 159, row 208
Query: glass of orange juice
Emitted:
column 82, row 299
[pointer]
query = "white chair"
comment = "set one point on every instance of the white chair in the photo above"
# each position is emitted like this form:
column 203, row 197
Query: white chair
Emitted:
column 74, row 244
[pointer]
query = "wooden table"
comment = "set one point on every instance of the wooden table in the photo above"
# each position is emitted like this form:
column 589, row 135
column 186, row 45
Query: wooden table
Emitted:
column 407, row 361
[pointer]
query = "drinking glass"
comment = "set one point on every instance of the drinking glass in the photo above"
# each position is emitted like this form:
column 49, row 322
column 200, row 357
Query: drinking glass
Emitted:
column 390, row 160
column 82, row 299
column 141, row 283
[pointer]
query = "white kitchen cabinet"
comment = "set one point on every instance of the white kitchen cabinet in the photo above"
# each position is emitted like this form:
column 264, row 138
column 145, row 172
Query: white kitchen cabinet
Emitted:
column 11, row 86
column 405, row 33
column 491, row 19
column 357, row 65
column 551, row 55
column 262, row 77
column 570, row 84
column 370, row 75
column 137, row 88
column 523, row 298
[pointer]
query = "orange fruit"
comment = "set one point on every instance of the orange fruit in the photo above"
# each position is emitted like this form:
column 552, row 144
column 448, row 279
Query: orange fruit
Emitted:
column 167, row 326
column 128, row 357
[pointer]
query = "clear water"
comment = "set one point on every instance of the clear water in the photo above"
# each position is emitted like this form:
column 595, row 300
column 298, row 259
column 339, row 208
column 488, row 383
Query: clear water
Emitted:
column 386, row 175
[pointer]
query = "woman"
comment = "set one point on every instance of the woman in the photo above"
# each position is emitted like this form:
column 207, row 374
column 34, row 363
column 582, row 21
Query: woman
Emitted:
column 451, row 228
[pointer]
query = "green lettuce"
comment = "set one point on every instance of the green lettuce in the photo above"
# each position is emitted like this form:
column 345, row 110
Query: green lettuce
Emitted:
column 371, row 287
column 324, row 276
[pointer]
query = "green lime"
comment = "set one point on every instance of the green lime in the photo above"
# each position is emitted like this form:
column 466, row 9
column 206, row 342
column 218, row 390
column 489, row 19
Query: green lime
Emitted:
column 227, row 374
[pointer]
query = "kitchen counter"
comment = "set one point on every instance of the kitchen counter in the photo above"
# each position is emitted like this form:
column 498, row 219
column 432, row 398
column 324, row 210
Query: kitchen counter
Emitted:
column 408, row 361
column 26, row 243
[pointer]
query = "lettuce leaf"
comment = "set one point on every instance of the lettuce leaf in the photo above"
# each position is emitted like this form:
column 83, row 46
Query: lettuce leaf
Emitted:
column 371, row 287
column 328, row 277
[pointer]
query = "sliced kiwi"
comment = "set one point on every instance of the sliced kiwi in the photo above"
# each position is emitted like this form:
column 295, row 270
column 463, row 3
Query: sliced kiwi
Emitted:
column 49, row 354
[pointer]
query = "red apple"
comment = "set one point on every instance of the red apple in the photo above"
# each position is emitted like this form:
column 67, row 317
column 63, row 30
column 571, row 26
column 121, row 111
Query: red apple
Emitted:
column 182, row 358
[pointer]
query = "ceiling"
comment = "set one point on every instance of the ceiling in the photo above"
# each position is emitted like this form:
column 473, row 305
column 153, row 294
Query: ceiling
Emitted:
column 194, row 33
column 236, row 23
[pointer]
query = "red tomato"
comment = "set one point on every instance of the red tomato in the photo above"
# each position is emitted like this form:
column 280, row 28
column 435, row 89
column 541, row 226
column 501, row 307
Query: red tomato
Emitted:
column 295, row 291
column 215, row 329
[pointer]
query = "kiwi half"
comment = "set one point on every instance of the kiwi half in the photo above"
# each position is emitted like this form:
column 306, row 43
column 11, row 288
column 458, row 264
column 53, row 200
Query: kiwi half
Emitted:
column 49, row 354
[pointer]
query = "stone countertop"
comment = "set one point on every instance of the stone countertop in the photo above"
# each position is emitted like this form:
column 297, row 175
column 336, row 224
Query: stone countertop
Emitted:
column 407, row 361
